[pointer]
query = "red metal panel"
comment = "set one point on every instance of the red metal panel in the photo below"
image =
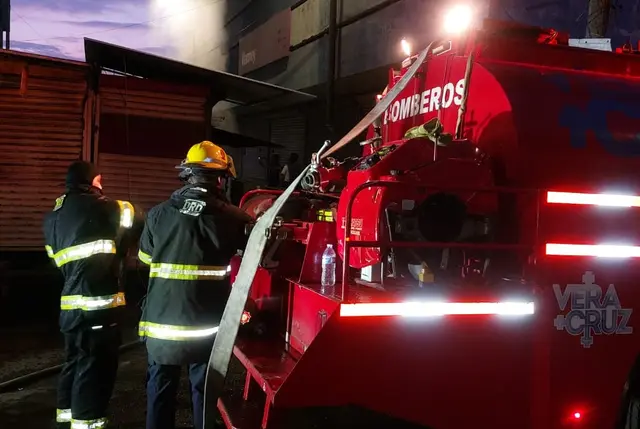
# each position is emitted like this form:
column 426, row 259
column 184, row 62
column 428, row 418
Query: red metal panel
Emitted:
column 311, row 310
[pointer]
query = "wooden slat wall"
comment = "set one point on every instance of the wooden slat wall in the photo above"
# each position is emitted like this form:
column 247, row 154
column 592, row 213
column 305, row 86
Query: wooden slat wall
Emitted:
column 41, row 132
column 152, row 104
column 144, row 181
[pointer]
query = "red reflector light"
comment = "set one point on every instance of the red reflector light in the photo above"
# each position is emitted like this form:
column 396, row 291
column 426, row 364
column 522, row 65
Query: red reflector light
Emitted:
column 609, row 200
column 430, row 309
column 597, row 250
column 577, row 415
column 246, row 316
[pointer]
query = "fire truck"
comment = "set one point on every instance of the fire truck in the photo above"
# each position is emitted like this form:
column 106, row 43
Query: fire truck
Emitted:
column 488, row 242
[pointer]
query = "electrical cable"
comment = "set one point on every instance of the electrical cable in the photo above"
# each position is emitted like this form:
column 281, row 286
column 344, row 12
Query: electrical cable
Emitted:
column 28, row 24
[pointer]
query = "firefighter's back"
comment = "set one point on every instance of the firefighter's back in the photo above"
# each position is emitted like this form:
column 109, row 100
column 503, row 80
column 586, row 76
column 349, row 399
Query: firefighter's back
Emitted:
column 190, row 240
column 81, row 234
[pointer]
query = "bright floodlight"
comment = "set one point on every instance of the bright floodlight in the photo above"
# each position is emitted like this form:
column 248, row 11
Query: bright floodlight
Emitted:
column 406, row 47
column 458, row 19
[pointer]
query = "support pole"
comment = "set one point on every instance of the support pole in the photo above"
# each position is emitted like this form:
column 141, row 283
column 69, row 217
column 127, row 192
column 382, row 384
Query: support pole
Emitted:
column 331, row 66
column 598, row 18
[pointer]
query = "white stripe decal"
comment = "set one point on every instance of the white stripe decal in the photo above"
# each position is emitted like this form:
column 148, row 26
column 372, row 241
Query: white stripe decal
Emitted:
column 596, row 250
column 430, row 309
column 610, row 200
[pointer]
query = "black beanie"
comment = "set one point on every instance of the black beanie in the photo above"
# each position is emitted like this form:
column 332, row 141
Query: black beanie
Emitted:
column 81, row 173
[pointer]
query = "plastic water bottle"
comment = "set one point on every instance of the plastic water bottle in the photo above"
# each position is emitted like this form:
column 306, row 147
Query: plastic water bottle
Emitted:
column 328, row 267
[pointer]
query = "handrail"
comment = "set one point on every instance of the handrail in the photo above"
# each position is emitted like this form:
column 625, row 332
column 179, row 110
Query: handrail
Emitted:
column 348, row 244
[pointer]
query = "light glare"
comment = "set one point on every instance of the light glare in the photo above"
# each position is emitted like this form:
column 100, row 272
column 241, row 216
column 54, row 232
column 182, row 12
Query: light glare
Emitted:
column 458, row 19
column 406, row 47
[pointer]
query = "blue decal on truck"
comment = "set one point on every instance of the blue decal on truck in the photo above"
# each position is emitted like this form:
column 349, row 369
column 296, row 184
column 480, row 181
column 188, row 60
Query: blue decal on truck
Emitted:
column 605, row 96
column 592, row 311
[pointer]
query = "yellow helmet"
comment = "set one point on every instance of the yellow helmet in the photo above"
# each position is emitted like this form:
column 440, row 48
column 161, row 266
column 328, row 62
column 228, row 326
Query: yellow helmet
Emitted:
column 232, row 167
column 209, row 156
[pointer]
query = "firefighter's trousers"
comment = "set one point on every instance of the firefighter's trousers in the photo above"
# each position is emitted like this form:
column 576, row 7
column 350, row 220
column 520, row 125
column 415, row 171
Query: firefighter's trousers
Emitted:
column 87, row 378
column 162, row 386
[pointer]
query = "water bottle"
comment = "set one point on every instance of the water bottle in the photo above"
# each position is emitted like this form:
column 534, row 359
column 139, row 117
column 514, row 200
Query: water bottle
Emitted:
column 328, row 267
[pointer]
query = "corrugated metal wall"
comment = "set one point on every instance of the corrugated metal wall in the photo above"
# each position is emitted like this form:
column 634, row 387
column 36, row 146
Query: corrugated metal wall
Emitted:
column 144, row 181
column 41, row 132
column 125, row 101
column 146, row 130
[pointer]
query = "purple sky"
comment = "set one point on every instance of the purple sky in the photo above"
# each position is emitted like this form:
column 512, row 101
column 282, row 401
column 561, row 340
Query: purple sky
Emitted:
column 57, row 27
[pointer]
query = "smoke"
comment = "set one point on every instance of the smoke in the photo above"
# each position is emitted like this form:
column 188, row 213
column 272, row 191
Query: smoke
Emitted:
column 194, row 30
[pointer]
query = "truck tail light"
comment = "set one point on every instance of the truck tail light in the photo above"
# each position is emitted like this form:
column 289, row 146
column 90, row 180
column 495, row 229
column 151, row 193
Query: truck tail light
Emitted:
column 431, row 309
column 607, row 200
column 596, row 250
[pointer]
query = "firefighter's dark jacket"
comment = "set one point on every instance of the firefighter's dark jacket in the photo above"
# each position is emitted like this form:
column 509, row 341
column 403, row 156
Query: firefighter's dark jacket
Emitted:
column 86, row 239
column 188, row 241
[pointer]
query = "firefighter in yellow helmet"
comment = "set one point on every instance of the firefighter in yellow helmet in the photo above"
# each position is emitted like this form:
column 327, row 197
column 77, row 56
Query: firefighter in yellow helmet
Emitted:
column 188, row 242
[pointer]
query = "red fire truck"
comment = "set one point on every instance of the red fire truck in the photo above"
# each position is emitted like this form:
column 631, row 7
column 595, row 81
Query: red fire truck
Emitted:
column 487, row 276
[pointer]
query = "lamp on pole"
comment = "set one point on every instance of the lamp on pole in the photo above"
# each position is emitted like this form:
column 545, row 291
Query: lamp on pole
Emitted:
column 5, row 23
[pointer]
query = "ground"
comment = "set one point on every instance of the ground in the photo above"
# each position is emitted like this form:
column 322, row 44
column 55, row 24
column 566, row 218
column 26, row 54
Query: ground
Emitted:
column 33, row 407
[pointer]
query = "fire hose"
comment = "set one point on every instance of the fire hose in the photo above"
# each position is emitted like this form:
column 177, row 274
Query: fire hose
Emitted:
column 231, row 318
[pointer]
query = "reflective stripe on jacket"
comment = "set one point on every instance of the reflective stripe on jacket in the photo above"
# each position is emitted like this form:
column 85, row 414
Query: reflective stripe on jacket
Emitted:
column 188, row 242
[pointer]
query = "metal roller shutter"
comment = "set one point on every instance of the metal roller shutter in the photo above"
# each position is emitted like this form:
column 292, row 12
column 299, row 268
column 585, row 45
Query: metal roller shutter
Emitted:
column 291, row 133
column 253, row 173
column 144, row 181
column 41, row 133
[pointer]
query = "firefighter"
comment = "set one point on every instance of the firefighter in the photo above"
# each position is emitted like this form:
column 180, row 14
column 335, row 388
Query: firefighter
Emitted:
column 86, row 236
column 188, row 241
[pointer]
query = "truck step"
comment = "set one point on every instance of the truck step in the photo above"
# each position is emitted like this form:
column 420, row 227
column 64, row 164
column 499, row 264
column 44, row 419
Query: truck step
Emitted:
column 268, row 363
column 237, row 413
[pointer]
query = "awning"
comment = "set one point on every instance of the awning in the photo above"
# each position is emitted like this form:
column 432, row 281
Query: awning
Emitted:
column 226, row 138
column 233, row 88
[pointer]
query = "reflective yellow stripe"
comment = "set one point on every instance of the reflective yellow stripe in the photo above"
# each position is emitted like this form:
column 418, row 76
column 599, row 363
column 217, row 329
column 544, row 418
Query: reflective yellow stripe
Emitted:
column 89, row 424
column 82, row 251
column 49, row 251
column 144, row 257
column 188, row 272
column 59, row 202
column 63, row 416
column 174, row 332
column 127, row 213
column 90, row 303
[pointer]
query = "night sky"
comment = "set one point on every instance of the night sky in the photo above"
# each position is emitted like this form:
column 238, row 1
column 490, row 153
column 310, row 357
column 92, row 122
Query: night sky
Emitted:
column 57, row 27
column 191, row 30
